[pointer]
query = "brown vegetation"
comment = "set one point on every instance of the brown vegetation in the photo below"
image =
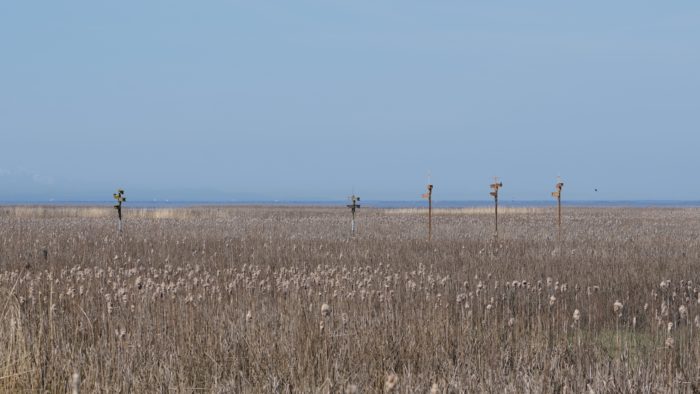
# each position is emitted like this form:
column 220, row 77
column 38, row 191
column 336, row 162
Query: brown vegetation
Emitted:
column 250, row 299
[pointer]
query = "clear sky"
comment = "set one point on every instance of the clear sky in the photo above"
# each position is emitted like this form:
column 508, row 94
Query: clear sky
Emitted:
column 300, row 99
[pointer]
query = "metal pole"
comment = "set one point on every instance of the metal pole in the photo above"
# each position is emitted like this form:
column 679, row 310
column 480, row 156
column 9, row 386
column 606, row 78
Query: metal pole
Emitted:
column 120, row 217
column 354, row 199
column 353, row 221
column 119, row 197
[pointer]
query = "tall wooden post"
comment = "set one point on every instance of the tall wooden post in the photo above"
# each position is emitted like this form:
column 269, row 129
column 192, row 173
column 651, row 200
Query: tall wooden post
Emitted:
column 557, row 194
column 494, row 187
column 429, row 196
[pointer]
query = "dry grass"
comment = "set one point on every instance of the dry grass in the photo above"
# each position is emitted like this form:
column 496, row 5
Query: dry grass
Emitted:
column 232, row 300
column 486, row 210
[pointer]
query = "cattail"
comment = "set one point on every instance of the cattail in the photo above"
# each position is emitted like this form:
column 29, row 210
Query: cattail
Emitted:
column 391, row 380
column 669, row 327
column 577, row 315
column 697, row 321
column 617, row 308
column 634, row 322
column 435, row 389
column 120, row 333
column 511, row 322
column 249, row 317
column 75, row 383
column 322, row 326
column 669, row 343
column 552, row 300
column 664, row 309
column 683, row 311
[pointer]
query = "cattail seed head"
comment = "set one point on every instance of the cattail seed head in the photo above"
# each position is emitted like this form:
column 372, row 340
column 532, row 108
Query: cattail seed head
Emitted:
column 577, row 315
column 664, row 309
column 683, row 311
column 435, row 389
column 617, row 308
column 391, row 380
column 249, row 317
column 326, row 310
column 552, row 300
column 669, row 343
column 75, row 383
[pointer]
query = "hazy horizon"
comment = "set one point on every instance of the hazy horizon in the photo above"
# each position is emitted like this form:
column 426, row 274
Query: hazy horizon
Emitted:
column 313, row 100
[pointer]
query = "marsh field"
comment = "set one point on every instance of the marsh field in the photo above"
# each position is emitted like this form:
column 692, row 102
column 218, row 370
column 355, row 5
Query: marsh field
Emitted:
column 275, row 299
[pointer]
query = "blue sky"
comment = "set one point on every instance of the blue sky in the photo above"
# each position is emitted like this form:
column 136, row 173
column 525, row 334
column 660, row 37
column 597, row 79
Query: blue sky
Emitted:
column 312, row 99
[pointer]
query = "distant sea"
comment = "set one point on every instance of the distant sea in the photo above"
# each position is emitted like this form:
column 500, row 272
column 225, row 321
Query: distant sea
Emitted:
column 371, row 203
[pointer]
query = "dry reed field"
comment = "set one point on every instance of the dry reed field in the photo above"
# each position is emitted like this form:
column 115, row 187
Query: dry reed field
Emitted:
column 261, row 299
